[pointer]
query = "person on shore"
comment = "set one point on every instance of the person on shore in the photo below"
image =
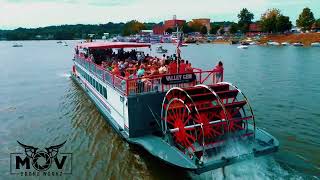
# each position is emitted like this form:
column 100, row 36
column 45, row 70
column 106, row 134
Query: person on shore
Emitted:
column 219, row 72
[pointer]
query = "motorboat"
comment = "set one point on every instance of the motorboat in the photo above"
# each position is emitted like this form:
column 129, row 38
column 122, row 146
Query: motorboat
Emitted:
column 315, row 44
column 243, row 47
column 160, row 49
column 285, row 44
column 273, row 43
column 17, row 45
column 297, row 44
column 245, row 43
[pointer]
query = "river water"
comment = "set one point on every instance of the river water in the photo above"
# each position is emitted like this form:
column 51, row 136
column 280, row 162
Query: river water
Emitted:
column 41, row 106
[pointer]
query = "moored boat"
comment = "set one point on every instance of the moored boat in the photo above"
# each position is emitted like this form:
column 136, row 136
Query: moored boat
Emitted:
column 285, row 44
column 243, row 47
column 186, row 119
column 315, row 44
column 184, row 44
column 273, row 43
column 297, row 44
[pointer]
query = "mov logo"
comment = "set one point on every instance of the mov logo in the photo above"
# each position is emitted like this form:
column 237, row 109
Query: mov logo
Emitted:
column 37, row 162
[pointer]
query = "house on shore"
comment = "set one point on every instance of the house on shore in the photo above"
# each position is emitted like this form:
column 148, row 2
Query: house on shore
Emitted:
column 254, row 29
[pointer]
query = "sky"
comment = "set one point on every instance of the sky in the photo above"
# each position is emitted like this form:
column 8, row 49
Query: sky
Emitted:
column 40, row 13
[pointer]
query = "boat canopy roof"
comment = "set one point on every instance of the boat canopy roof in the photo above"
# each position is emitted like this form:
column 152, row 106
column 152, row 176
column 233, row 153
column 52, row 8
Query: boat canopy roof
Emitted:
column 106, row 45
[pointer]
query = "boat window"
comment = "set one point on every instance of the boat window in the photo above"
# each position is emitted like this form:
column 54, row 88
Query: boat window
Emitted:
column 100, row 89
column 104, row 92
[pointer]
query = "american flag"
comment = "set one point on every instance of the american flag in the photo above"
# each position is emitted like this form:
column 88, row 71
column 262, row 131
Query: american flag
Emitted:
column 179, row 44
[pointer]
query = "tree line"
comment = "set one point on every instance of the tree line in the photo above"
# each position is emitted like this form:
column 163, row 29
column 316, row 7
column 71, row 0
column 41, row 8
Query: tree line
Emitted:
column 272, row 21
column 78, row 31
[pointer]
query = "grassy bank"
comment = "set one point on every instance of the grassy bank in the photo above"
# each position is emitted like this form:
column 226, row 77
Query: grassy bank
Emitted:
column 306, row 38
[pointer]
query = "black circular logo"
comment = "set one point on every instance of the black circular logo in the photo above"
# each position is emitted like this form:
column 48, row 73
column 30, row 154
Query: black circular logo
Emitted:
column 41, row 161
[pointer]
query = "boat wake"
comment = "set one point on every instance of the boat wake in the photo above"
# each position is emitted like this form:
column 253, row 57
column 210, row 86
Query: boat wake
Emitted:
column 65, row 75
column 263, row 168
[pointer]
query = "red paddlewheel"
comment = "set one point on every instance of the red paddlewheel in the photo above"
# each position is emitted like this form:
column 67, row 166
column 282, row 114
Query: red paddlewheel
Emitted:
column 231, row 115
column 178, row 116
column 209, row 130
column 182, row 137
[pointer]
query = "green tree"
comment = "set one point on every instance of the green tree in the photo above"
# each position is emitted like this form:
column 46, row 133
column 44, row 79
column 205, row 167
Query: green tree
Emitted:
column 132, row 27
column 245, row 19
column 214, row 29
column 186, row 28
column 283, row 23
column 196, row 26
column 273, row 21
column 317, row 23
column 203, row 30
column 233, row 28
column 221, row 30
column 306, row 19
column 268, row 20
column 169, row 30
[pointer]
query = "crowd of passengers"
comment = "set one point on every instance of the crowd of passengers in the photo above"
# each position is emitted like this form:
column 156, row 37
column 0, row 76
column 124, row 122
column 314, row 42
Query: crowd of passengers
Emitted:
column 134, row 64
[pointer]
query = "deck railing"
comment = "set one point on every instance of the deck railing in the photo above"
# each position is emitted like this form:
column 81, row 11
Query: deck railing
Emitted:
column 147, row 84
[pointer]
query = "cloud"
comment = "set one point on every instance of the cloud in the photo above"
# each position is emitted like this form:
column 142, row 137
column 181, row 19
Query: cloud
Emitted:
column 35, row 13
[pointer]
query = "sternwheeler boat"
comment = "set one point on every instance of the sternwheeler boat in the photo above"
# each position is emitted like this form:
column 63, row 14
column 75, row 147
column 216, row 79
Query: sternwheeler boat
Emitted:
column 187, row 120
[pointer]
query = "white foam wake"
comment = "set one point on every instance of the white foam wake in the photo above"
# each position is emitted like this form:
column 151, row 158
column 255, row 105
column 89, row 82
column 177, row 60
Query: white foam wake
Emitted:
column 263, row 168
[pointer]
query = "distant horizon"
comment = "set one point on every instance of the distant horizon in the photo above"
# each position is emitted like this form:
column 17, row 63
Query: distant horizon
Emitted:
column 43, row 13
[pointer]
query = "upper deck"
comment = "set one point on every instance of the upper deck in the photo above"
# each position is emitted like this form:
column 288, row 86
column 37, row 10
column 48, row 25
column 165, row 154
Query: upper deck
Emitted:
column 130, row 85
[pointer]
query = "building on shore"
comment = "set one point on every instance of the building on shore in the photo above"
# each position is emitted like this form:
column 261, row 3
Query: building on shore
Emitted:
column 254, row 29
column 315, row 28
column 172, row 23
column 203, row 22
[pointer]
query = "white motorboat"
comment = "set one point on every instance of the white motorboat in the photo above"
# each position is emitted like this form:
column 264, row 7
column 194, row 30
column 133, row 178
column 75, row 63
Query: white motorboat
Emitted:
column 160, row 49
column 297, row 44
column 272, row 43
column 285, row 44
column 17, row 45
column 315, row 44
column 243, row 47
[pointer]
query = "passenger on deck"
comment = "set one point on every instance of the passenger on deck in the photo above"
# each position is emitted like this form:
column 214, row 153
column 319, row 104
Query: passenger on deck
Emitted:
column 188, row 67
column 173, row 67
column 116, row 70
column 182, row 67
column 219, row 71
column 163, row 69
column 141, row 71
column 163, row 57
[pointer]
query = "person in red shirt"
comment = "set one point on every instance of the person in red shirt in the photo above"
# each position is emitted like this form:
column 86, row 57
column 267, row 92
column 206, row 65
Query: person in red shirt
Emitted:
column 188, row 67
column 219, row 71
column 182, row 67
column 173, row 67
column 116, row 71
